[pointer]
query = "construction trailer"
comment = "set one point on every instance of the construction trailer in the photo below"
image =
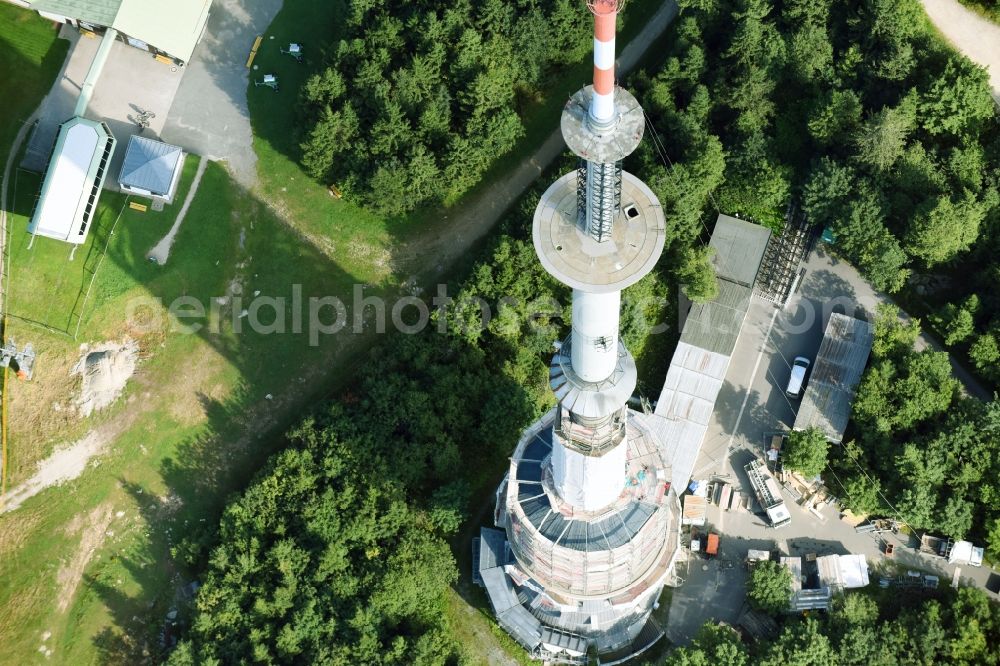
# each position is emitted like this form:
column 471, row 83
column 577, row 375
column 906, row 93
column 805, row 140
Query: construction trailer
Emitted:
column 768, row 494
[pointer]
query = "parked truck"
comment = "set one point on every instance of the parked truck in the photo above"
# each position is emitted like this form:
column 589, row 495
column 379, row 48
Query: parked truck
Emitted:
column 768, row 494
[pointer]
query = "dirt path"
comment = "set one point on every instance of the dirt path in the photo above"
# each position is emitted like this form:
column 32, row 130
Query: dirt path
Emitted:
column 63, row 465
column 476, row 217
column 970, row 33
column 161, row 250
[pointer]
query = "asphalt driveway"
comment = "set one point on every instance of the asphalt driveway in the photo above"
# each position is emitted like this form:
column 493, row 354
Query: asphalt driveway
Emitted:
column 209, row 115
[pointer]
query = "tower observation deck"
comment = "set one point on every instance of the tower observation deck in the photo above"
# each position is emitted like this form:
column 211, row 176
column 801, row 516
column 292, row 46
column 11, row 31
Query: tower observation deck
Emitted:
column 589, row 518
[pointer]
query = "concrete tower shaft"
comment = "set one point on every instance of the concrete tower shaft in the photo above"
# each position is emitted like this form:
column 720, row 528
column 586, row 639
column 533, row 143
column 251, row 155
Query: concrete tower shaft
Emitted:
column 587, row 509
column 598, row 231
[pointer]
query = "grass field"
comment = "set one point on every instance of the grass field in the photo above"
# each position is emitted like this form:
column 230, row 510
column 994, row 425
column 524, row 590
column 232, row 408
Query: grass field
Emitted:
column 30, row 59
column 88, row 572
column 178, row 440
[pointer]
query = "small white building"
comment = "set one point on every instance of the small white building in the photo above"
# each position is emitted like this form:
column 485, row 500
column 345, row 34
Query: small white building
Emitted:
column 73, row 182
column 151, row 168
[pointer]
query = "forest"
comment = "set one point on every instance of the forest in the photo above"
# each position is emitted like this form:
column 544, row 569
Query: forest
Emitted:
column 950, row 627
column 892, row 141
column 339, row 551
column 420, row 98
column 922, row 451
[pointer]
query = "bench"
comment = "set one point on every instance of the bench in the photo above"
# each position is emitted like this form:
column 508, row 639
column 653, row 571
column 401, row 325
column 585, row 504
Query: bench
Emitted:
column 137, row 206
column 253, row 51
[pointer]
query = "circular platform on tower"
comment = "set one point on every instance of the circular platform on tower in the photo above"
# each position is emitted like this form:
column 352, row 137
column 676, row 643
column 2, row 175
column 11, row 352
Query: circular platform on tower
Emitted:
column 602, row 144
column 577, row 260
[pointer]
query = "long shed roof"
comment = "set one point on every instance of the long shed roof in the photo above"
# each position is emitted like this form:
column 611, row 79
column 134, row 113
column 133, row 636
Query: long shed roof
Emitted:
column 698, row 368
column 173, row 27
column 841, row 360
column 73, row 181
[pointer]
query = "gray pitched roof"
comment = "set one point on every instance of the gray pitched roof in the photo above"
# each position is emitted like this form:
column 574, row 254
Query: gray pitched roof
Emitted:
column 150, row 165
column 739, row 248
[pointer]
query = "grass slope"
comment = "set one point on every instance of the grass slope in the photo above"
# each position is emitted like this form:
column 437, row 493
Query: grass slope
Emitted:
column 30, row 58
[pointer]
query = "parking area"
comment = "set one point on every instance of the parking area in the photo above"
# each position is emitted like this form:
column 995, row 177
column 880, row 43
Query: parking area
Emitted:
column 132, row 80
column 751, row 405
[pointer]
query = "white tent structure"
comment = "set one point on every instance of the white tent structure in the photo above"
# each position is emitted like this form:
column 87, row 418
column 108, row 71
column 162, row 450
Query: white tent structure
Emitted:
column 843, row 572
column 73, row 181
column 963, row 552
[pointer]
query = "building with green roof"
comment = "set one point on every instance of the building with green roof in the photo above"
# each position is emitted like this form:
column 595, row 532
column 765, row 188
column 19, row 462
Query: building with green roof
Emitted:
column 171, row 29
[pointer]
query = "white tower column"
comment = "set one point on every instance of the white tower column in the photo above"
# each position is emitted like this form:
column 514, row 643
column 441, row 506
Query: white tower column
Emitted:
column 595, row 334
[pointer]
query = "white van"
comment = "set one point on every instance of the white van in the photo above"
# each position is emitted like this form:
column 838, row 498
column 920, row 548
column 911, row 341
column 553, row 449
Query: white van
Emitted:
column 798, row 377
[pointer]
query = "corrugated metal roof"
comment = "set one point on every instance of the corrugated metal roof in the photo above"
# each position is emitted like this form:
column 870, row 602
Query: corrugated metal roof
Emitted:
column 172, row 27
column 739, row 248
column 715, row 325
column 840, row 362
column 685, row 405
column 150, row 165
column 492, row 548
column 99, row 12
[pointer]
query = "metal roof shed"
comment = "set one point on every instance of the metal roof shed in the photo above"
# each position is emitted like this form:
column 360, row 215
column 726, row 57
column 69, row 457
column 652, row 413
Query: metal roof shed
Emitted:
column 739, row 249
column 95, row 12
column 151, row 168
column 840, row 362
column 73, row 181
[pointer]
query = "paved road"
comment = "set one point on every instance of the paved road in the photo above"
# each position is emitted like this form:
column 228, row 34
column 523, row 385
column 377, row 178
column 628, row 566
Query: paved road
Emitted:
column 752, row 403
column 209, row 115
column 716, row 589
column 970, row 33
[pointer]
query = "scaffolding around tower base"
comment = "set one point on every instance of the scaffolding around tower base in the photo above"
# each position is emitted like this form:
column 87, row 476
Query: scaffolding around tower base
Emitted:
column 614, row 554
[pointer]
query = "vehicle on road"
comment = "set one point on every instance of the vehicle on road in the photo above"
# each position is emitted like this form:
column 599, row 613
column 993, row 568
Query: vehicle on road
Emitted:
column 797, row 379
column 712, row 546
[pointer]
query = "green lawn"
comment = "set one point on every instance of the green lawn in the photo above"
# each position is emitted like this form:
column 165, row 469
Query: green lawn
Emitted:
column 30, row 59
column 181, row 429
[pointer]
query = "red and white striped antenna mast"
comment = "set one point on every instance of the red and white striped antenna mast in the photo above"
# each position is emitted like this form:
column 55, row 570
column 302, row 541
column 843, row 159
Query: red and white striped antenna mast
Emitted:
column 602, row 105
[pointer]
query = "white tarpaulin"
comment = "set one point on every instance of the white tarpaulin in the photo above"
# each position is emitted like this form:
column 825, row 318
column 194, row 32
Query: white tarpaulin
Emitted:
column 853, row 571
column 843, row 571
column 589, row 482
column 961, row 553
